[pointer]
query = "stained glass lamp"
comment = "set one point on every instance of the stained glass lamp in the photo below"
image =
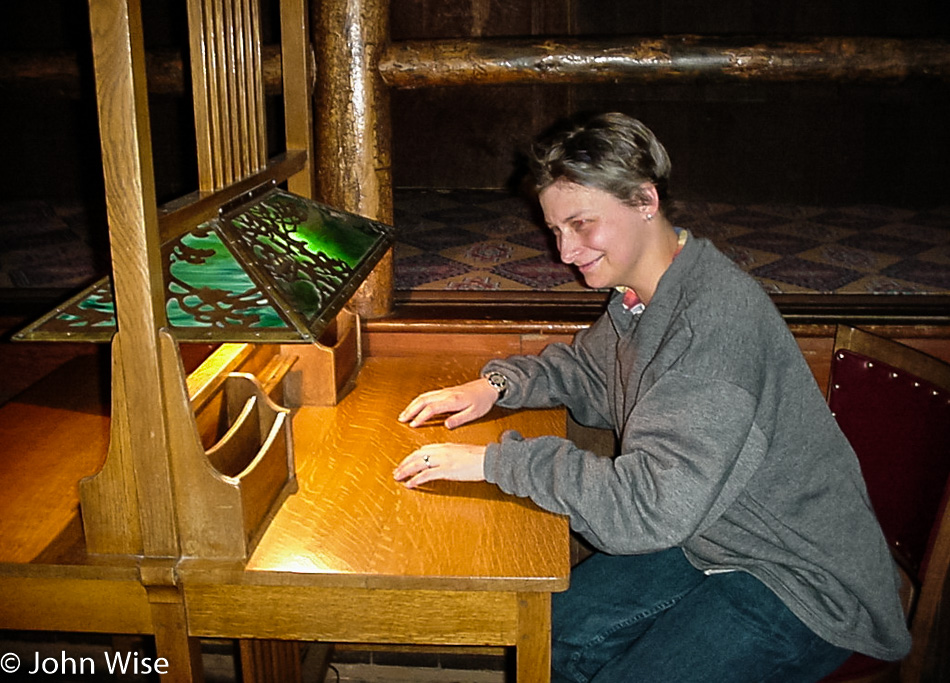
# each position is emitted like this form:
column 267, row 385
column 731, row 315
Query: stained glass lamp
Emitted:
column 277, row 268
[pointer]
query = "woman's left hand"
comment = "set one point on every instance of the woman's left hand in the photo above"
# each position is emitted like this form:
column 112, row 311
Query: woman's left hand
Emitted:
column 454, row 461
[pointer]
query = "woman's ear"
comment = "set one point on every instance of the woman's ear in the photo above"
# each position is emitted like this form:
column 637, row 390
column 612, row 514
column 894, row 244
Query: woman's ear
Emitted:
column 648, row 199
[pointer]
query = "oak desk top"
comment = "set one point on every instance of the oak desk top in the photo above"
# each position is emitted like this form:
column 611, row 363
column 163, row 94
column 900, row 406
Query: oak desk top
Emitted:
column 349, row 525
column 51, row 436
column 352, row 525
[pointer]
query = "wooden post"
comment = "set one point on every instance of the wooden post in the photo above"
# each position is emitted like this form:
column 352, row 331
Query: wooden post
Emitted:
column 298, row 107
column 353, row 135
column 169, row 621
column 128, row 507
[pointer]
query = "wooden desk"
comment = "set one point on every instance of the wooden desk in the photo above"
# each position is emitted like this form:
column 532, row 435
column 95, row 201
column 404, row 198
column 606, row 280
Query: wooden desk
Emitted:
column 51, row 436
column 352, row 557
column 356, row 557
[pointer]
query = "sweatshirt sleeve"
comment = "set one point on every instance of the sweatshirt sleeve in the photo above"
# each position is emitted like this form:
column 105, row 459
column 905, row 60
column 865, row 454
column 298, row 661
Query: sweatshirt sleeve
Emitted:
column 688, row 449
column 572, row 376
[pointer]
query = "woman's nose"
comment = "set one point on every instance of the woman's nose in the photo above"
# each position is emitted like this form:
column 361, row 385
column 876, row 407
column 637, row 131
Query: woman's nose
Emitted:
column 567, row 246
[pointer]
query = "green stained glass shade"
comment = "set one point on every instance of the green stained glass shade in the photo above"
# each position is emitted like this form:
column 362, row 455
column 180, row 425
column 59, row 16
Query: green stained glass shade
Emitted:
column 278, row 268
column 208, row 289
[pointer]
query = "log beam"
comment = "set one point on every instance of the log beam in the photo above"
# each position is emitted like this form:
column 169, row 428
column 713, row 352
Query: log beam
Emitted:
column 670, row 59
column 61, row 73
column 436, row 63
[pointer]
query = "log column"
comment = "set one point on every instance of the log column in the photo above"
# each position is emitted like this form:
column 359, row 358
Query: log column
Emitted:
column 353, row 128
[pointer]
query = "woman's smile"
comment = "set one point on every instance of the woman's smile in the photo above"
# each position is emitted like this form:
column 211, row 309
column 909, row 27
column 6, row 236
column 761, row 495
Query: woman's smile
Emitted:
column 596, row 232
column 584, row 267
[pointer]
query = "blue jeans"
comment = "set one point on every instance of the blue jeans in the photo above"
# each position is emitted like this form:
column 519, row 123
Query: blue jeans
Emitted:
column 655, row 618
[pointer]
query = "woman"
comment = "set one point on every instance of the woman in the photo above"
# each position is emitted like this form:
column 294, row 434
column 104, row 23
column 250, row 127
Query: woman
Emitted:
column 736, row 538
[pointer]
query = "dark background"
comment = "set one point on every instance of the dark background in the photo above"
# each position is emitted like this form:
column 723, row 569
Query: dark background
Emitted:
column 808, row 143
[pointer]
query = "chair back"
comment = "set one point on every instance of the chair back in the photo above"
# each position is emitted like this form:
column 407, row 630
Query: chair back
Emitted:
column 893, row 404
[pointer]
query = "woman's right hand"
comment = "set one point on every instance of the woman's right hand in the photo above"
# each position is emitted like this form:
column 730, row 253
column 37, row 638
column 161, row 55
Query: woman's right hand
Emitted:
column 465, row 402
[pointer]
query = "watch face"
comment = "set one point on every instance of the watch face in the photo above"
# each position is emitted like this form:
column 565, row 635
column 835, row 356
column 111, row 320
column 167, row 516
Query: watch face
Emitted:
column 498, row 380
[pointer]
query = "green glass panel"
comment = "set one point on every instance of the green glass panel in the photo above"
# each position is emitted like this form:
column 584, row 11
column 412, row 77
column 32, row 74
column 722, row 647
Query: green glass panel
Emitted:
column 207, row 287
column 310, row 252
column 88, row 316
column 95, row 310
column 278, row 268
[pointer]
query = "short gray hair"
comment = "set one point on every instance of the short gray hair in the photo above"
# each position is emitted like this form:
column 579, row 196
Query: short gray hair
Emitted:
column 611, row 152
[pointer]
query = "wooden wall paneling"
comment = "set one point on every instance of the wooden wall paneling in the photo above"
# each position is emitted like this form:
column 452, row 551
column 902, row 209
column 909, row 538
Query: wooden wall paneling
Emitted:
column 754, row 123
column 471, row 137
column 746, row 17
column 409, row 344
column 488, row 338
column 427, row 19
column 659, row 17
column 396, row 344
column 726, row 107
column 757, row 142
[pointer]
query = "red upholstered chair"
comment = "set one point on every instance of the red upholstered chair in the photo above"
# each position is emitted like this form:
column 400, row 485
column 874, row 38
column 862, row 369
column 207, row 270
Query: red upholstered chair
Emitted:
column 893, row 404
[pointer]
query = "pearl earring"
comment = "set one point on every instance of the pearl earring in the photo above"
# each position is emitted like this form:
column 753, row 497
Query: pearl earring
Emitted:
column 649, row 217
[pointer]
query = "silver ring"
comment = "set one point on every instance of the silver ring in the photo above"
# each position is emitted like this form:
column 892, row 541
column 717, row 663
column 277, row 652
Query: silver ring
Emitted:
column 425, row 459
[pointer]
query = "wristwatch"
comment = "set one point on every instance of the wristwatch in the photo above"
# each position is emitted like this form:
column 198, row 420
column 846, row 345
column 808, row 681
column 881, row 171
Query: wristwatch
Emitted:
column 498, row 382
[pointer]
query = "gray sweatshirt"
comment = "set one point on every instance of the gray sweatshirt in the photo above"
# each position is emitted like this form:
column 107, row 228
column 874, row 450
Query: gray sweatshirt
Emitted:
column 727, row 450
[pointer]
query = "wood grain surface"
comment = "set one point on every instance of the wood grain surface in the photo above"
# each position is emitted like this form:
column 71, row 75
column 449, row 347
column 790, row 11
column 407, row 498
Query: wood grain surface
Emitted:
column 352, row 522
column 51, row 439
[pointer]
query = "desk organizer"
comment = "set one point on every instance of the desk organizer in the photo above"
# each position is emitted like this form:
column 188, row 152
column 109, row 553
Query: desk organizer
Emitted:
column 232, row 457
column 229, row 490
column 326, row 371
